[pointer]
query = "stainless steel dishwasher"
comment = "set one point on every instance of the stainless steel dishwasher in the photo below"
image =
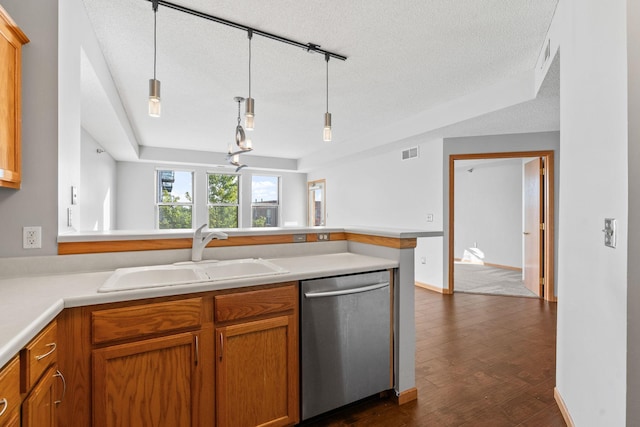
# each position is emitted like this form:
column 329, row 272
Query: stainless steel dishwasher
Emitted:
column 345, row 340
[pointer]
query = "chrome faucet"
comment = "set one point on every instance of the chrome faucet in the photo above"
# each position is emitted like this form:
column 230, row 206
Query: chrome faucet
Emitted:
column 200, row 241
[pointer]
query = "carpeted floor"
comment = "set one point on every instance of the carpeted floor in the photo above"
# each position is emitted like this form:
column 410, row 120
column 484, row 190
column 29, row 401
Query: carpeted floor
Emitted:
column 482, row 279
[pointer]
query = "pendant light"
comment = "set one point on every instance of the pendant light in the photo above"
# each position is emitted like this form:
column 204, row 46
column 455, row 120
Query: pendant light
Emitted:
column 249, row 104
column 154, row 84
column 326, row 135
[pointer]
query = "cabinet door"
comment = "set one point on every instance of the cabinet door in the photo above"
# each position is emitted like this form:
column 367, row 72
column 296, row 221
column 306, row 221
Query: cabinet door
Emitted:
column 155, row 382
column 11, row 41
column 257, row 373
column 38, row 409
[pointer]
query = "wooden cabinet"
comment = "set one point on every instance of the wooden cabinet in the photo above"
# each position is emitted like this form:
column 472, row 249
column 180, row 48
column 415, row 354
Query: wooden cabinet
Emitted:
column 11, row 41
column 41, row 380
column 148, row 383
column 223, row 358
column 152, row 380
column 39, row 407
column 257, row 358
column 10, row 393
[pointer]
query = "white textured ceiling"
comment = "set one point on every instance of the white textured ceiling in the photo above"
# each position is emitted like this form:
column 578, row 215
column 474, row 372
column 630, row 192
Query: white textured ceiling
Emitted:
column 404, row 57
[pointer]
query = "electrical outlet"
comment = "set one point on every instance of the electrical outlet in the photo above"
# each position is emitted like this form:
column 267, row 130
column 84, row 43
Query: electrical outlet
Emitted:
column 32, row 237
column 324, row 237
column 429, row 217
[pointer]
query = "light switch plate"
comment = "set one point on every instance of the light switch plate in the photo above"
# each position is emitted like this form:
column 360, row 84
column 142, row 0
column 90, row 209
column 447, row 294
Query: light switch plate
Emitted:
column 610, row 232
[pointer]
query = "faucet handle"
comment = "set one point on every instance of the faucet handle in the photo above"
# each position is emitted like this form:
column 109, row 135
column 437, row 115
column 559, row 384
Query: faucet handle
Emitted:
column 198, row 232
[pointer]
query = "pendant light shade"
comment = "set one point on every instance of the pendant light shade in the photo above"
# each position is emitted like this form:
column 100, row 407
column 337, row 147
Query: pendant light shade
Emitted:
column 154, row 84
column 249, row 103
column 326, row 134
column 154, row 98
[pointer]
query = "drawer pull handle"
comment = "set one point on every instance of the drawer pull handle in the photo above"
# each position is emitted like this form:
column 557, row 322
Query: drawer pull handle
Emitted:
column 4, row 402
column 64, row 386
column 53, row 348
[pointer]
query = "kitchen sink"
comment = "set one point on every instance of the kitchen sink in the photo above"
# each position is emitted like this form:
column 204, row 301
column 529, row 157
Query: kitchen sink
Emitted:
column 240, row 268
column 187, row 273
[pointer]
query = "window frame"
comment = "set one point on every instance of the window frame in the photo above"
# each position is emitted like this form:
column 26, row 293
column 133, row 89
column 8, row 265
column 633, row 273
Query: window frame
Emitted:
column 238, row 204
column 158, row 203
column 278, row 206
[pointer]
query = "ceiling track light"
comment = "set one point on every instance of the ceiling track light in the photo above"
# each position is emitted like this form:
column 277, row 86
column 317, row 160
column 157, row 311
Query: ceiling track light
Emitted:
column 154, row 84
column 326, row 134
column 309, row 47
column 249, row 103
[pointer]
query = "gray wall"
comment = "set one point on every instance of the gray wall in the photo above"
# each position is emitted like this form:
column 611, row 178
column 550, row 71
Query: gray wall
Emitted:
column 488, row 210
column 497, row 144
column 36, row 203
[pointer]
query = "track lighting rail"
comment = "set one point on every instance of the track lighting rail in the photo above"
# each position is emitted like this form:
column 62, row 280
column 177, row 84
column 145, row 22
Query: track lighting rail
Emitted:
column 309, row 47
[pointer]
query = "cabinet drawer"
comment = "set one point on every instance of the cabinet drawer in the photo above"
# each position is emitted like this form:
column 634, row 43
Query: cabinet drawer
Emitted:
column 9, row 391
column 243, row 305
column 146, row 319
column 38, row 355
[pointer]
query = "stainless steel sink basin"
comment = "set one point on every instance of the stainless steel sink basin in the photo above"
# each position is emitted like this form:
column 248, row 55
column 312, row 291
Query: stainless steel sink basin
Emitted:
column 188, row 272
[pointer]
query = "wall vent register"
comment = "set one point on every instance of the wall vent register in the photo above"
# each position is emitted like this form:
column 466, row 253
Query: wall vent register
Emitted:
column 410, row 153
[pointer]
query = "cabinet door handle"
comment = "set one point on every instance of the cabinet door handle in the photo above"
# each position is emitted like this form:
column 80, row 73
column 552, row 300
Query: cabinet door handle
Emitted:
column 64, row 386
column 221, row 346
column 53, row 348
column 197, row 351
column 4, row 402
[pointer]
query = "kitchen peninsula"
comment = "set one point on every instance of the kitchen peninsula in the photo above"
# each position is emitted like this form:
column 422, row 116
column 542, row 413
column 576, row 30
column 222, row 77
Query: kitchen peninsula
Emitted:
column 39, row 291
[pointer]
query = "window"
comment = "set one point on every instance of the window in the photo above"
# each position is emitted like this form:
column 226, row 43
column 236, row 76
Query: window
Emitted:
column 174, row 199
column 223, row 200
column 265, row 201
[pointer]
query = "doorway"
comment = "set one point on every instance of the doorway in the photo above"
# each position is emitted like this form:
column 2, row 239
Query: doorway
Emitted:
column 317, row 210
column 536, row 234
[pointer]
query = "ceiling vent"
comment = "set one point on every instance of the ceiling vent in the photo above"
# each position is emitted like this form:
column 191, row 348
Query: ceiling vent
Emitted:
column 410, row 153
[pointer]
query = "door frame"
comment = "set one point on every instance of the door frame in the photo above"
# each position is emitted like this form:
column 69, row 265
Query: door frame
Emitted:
column 546, row 261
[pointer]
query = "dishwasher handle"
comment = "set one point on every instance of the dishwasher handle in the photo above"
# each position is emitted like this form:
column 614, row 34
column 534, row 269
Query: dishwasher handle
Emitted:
column 346, row 291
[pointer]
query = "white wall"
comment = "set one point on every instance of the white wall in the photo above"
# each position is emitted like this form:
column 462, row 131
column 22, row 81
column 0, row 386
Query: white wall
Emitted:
column 35, row 203
column 592, row 296
column 97, row 192
column 136, row 192
column 488, row 210
column 379, row 189
column 633, row 289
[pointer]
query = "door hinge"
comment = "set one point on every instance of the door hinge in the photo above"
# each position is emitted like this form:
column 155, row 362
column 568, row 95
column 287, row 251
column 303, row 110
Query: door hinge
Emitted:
column 541, row 171
column 542, row 281
column 542, row 226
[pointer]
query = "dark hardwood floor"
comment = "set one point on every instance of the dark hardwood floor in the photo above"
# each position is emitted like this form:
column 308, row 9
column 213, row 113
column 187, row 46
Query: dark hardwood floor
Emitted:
column 480, row 361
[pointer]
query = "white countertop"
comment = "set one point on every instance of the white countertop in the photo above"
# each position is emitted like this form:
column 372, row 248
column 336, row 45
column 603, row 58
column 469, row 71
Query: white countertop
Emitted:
column 28, row 304
column 91, row 236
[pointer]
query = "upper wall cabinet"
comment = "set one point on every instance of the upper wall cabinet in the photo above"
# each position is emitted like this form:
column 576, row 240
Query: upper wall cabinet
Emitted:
column 11, row 41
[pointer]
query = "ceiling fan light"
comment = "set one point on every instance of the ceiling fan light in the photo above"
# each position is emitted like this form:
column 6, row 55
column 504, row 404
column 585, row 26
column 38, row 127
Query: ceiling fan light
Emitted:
column 155, row 107
column 326, row 135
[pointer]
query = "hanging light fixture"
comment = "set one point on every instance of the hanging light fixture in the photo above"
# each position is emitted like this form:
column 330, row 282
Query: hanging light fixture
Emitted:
column 244, row 144
column 249, row 104
column 241, row 140
column 326, row 135
column 154, row 84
